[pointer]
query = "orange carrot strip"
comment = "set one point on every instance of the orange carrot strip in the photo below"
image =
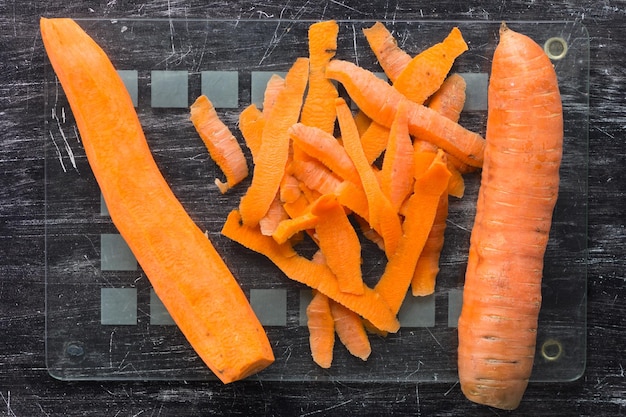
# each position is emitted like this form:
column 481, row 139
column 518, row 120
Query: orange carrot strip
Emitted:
column 351, row 332
column 289, row 188
column 368, row 305
column 380, row 101
column 297, row 207
column 274, row 86
column 427, row 71
column 397, row 171
column 395, row 281
column 251, row 123
column 362, row 122
column 354, row 198
column 319, row 106
column 315, row 175
column 185, row 270
column 516, row 199
column 326, row 149
column 427, row 267
column 274, row 151
column 391, row 57
column 339, row 243
column 449, row 100
column 273, row 217
column 382, row 215
column 289, row 227
column 321, row 327
column 220, row 142
column 374, row 141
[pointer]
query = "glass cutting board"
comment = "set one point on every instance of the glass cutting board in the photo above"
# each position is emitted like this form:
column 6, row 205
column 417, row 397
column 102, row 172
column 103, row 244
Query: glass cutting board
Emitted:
column 103, row 321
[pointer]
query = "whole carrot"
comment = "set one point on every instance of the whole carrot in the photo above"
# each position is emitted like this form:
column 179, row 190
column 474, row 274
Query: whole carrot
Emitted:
column 519, row 187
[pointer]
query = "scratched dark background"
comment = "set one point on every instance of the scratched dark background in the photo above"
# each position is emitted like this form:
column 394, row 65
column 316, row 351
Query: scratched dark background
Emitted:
column 27, row 390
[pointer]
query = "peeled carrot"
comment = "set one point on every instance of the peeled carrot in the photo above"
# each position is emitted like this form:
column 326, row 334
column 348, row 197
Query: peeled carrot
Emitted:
column 180, row 262
column 318, row 108
column 369, row 305
column 339, row 243
column 518, row 191
column 321, row 327
column 222, row 145
column 382, row 215
column 273, row 153
column 380, row 101
column 425, row 73
column 391, row 57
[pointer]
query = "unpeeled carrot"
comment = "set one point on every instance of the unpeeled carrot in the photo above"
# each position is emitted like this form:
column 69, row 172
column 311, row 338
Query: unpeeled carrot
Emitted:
column 273, row 153
column 177, row 257
column 518, row 191
column 220, row 142
column 380, row 101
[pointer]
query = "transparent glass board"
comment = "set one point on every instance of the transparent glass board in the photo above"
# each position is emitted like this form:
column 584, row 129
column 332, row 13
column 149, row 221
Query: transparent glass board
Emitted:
column 103, row 320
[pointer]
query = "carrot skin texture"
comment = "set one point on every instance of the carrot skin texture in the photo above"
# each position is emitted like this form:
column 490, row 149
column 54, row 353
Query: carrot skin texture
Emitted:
column 181, row 263
column 518, row 192
column 220, row 142
column 424, row 123
column 274, row 149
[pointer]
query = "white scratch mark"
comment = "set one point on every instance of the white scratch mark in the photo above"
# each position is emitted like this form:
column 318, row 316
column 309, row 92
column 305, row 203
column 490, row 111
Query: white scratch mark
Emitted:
column 417, row 399
column 169, row 15
column 58, row 151
column 7, row 401
column 458, row 225
column 42, row 410
column 68, row 149
column 346, row 6
column 111, row 349
column 324, row 410
column 356, row 55
column 141, row 412
column 434, row 338
column 451, row 388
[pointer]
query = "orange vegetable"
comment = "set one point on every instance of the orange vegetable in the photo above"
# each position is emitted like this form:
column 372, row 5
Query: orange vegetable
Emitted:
column 269, row 167
column 380, row 101
column 382, row 216
column 339, row 243
column 518, row 191
column 425, row 73
column 422, row 206
column 351, row 331
column 274, row 86
column 325, row 148
column 251, row 124
column 321, row 329
column 390, row 56
column 180, row 262
column 222, row 145
column 397, row 171
column 318, row 108
column 368, row 305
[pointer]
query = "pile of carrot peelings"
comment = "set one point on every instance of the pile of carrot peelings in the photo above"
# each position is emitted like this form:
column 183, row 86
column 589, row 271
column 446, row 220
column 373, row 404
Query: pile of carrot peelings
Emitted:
column 319, row 168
